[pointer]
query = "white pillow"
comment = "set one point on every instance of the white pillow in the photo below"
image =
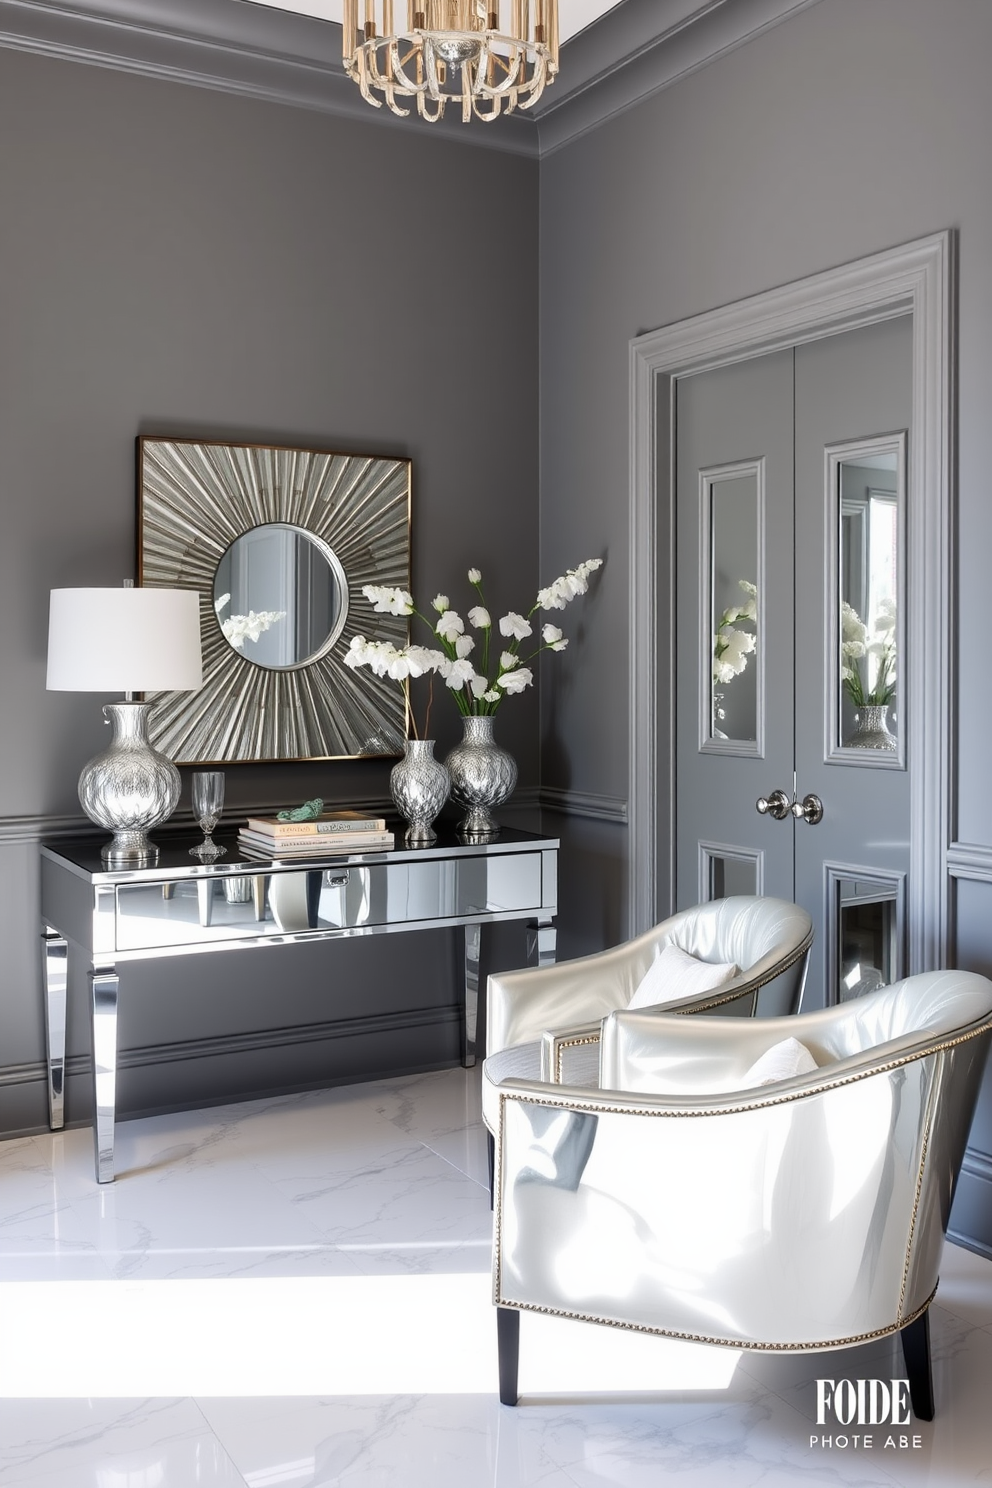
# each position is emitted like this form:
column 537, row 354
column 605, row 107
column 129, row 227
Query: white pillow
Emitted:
column 781, row 1062
column 674, row 974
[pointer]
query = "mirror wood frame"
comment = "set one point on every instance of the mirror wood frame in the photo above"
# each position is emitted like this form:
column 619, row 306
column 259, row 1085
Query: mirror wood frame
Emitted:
column 196, row 498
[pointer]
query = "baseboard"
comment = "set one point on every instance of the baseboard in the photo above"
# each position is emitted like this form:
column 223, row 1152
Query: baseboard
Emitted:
column 246, row 1066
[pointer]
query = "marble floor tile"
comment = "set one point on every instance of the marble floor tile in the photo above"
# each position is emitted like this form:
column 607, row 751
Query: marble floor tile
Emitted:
column 111, row 1444
column 350, row 1231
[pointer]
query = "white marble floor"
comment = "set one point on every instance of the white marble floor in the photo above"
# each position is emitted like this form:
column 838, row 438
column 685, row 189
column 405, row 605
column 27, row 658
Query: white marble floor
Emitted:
column 294, row 1293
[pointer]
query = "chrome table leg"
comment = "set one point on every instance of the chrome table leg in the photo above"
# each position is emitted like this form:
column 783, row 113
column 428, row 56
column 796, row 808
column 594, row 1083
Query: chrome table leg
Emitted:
column 104, row 986
column 542, row 943
column 56, row 963
column 473, row 950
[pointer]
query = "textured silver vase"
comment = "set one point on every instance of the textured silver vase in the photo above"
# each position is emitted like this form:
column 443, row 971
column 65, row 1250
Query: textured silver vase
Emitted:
column 482, row 777
column 419, row 785
column 872, row 730
column 129, row 787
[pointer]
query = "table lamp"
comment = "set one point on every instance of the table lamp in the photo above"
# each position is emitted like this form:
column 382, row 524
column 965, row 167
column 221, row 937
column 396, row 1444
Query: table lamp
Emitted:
column 126, row 640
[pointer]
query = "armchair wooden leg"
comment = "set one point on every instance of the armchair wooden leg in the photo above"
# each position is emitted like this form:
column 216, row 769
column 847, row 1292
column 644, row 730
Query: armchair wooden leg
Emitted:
column 916, row 1352
column 508, row 1343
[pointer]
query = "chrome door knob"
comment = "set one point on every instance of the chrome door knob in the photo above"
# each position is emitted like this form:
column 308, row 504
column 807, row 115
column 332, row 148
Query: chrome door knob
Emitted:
column 777, row 805
column 809, row 809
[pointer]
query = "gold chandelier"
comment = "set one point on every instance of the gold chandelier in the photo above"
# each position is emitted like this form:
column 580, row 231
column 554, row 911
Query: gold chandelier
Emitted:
column 453, row 51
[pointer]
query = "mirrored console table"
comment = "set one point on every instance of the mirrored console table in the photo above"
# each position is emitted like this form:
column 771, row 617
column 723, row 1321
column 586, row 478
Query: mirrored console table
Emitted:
column 112, row 917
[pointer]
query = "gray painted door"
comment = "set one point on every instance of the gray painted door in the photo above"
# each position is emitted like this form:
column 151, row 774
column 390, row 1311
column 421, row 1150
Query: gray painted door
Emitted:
column 791, row 479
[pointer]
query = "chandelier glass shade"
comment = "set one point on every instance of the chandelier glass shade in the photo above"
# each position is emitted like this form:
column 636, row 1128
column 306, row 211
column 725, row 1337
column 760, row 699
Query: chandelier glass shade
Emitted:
column 485, row 57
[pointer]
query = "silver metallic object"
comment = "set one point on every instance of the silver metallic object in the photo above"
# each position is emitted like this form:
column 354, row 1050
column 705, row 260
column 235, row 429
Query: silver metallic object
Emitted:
column 809, row 810
column 777, row 805
column 482, row 777
column 100, row 920
column 818, row 1203
column 872, row 730
column 275, row 686
column 130, row 787
column 125, row 640
column 769, row 939
column 419, row 786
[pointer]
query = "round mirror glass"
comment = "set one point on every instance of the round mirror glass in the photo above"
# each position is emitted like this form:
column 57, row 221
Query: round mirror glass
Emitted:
column 280, row 596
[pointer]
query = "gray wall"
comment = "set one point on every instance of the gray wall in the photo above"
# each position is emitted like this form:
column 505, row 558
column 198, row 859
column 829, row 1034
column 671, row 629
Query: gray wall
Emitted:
column 179, row 261
column 848, row 129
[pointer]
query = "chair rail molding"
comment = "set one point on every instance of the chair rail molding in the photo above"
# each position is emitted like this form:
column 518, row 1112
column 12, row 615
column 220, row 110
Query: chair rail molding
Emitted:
column 915, row 278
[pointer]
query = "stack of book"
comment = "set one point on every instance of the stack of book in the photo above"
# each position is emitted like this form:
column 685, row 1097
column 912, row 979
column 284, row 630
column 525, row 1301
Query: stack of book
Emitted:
column 334, row 831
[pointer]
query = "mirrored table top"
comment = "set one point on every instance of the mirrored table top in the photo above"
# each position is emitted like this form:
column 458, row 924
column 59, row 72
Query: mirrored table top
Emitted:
column 81, row 855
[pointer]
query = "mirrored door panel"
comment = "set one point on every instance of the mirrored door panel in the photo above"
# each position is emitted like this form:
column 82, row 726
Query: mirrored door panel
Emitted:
column 865, row 930
column 866, row 522
column 731, row 509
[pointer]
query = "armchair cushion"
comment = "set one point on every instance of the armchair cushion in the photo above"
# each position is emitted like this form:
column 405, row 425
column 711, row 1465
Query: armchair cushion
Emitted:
column 674, row 975
column 783, row 1061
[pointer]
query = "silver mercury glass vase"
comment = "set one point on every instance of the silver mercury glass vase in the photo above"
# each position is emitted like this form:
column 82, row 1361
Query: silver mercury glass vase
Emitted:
column 872, row 731
column 129, row 788
column 419, row 786
column 482, row 777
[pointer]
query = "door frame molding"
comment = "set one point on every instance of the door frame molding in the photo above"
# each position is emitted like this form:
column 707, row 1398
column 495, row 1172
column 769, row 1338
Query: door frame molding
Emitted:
column 916, row 278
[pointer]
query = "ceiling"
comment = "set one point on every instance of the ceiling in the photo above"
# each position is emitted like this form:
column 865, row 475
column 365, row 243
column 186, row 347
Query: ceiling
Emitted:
column 573, row 15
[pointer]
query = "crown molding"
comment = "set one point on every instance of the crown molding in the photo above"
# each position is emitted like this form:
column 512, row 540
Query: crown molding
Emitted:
column 254, row 51
column 232, row 47
column 642, row 47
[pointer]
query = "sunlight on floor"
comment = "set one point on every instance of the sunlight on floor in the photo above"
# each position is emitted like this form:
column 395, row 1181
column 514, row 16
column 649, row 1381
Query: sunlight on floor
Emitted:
column 309, row 1336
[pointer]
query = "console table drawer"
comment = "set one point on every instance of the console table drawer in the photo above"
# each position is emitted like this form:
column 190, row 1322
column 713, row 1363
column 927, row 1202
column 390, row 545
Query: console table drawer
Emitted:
column 344, row 897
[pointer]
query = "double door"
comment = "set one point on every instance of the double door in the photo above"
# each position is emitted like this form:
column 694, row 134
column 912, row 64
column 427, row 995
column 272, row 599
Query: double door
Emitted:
column 792, row 772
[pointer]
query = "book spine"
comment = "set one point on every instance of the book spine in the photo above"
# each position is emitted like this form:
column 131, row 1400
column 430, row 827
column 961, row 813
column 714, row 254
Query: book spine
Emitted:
column 316, row 845
column 317, row 828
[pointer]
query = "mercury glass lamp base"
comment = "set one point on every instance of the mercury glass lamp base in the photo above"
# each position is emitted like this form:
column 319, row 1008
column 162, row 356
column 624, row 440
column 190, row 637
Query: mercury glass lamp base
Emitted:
column 129, row 788
column 129, row 850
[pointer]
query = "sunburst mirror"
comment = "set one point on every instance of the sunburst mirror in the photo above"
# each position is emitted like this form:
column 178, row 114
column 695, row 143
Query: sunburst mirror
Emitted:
column 278, row 543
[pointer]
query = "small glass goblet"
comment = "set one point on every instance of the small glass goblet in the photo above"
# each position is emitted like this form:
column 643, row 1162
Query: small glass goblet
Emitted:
column 208, row 803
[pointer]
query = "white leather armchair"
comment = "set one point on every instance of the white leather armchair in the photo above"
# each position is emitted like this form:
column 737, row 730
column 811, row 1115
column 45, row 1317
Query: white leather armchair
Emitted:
column 769, row 939
column 808, row 1214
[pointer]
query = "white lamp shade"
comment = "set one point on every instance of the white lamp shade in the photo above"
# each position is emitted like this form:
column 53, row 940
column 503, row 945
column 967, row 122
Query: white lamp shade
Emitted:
column 124, row 640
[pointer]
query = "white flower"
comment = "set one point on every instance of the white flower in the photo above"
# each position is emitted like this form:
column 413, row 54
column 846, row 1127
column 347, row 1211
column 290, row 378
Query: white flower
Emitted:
column 474, row 576
column 458, row 673
column 516, row 680
column 357, row 653
column 240, row 628
column 220, row 603
column 386, row 599
column 552, row 638
column 479, row 617
column 422, row 660
column 440, row 603
column 479, row 687
column 450, row 626
column 565, row 589
column 507, row 661
column 492, row 696
column 515, row 625
column 386, row 660
column 464, row 644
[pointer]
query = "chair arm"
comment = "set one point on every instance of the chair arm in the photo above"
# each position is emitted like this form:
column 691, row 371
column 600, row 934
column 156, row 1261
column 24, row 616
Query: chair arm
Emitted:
column 570, row 1056
column 655, row 1052
column 520, row 1005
